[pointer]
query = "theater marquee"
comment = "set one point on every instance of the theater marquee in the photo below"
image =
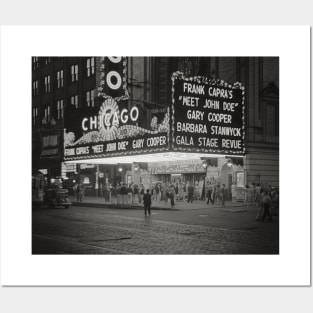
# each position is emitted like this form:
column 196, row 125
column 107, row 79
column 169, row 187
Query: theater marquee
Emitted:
column 208, row 115
column 114, row 130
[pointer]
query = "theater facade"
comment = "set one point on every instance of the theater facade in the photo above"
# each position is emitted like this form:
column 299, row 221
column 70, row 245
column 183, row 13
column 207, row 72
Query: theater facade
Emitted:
column 149, row 120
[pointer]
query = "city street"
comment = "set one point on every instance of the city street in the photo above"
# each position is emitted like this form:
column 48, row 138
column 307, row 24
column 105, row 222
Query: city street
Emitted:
column 200, row 230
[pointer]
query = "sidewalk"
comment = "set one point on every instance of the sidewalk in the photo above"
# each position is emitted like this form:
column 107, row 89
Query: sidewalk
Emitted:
column 179, row 205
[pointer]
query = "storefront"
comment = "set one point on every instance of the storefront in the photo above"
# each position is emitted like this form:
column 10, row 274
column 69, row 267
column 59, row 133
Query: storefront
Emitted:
column 180, row 171
column 47, row 154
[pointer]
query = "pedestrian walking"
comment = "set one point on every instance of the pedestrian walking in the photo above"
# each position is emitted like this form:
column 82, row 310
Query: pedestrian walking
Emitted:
column 214, row 194
column 129, row 195
column 141, row 193
column 275, row 203
column 191, row 191
column 180, row 192
column 217, row 194
column 76, row 191
column 209, row 194
column 136, row 194
column 259, row 197
column 266, row 207
column 80, row 192
column 118, row 194
column 172, row 194
column 113, row 194
column 157, row 193
column 222, row 195
column 124, row 194
column 147, row 202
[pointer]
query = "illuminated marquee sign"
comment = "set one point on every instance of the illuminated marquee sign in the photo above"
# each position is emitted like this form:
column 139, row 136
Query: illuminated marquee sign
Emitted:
column 114, row 130
column 208, row 115
column 113, row 75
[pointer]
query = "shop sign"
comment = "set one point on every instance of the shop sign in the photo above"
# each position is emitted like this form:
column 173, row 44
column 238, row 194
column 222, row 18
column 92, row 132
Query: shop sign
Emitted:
column 177, row 167
column 86, row 166
column 212, row 171
column 50, row 144
column 208, row 115
column 68, row 168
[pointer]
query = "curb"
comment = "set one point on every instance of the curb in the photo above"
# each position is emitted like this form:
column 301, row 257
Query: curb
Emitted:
column 119, row 206
column 137, row 207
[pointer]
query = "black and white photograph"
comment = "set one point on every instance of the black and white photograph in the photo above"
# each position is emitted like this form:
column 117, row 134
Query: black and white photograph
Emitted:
column 155, row 155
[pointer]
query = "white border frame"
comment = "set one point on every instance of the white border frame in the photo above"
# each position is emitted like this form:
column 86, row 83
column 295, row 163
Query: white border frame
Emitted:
column 19, row 267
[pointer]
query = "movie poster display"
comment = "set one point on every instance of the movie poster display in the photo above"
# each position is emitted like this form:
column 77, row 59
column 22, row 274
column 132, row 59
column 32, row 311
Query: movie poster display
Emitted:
column 207, row 115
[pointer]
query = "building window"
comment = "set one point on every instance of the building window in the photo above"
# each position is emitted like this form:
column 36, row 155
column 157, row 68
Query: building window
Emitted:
column 90, row 66
column 47, row 60
column 35, row 63
column 35, row 87
column 60, row 107
column 60, row 78
column 90, row 98
column 74, row 101
column 47, row 114
column 74, row 72
column 35, row 115
column 47, row 83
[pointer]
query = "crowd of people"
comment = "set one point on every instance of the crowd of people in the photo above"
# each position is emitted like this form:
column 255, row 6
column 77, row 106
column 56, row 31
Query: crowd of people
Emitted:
column 263, row 196
column 122, row 193
column 215, row 194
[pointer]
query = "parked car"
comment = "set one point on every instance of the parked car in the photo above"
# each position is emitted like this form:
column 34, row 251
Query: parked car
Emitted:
column 57, row 197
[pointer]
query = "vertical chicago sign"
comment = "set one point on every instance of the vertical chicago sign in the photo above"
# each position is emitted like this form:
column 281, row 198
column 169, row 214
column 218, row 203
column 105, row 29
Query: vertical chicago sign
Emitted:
column 113, row 78
column 208, row 115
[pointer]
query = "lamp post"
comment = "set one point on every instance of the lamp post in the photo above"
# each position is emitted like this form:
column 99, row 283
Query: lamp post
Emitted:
column 120, row 170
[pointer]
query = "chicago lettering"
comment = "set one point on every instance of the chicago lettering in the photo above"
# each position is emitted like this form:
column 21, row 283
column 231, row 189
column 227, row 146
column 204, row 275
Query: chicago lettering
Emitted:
column 109, row 119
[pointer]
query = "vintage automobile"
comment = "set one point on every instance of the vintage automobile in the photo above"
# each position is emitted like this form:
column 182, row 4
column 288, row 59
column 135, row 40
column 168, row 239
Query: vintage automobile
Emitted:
column 55, row 197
